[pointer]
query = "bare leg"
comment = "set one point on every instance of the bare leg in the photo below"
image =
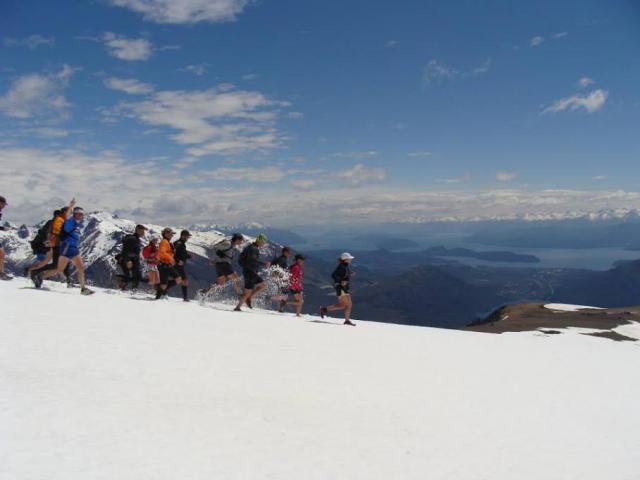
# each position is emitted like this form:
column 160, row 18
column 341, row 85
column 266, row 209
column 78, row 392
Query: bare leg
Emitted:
column 62, row 264
column 245, row 296
column 1, row 260
column 77, row 261
column 298, row 302
column 42, row 262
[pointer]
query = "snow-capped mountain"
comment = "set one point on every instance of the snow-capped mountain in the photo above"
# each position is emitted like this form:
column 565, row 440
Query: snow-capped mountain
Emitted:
column 602, row 215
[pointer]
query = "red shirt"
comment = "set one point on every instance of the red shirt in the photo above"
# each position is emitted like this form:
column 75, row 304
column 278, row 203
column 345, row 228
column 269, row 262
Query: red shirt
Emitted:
column 296, row 277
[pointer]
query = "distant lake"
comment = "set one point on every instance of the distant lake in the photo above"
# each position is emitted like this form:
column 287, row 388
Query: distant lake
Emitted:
column 589, row 258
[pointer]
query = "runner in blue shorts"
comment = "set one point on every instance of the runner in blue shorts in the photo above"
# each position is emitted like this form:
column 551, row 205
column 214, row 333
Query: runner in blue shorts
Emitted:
column 69, row 250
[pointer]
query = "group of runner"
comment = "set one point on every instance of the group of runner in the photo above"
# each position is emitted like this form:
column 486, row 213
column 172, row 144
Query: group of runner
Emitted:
column 56, row 246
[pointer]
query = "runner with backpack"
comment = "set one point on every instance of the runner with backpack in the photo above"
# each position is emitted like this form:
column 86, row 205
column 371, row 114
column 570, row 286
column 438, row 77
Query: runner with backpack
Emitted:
column 226, row 252
column 54, row 241
column 41, row 247
column 129, row 258
column 341, row 279
column 69, row 250
column 251, row 265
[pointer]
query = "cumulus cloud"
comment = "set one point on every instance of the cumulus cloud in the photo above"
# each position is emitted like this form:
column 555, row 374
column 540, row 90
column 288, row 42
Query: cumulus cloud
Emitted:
column 483, row 67
column 506, row 176
column 128, row 49
column 198, row 69
column 435, row 70
column 31, row 42
column 37, row 95
column 136, row 189
column 185, row 11
column 361, row 174
column 585, row 82
column 217, row 121
column 536, row 41
column 128, row 85
column 250, row 174
column 590, row 103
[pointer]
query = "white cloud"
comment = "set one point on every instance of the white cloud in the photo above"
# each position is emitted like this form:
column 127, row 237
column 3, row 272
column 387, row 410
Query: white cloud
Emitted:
column 295, row 115
column 391, row 43
column 129, row 49
column 536, row 41
column 420, row 153
column 600, row 177
column 559, row 35
column 247, row 174
column 356, row 155
column 37, row 95
column 128, row 85
column 303, row 184
column 185, row 11
column 483, row 67
column 49, row 132
column 436, row 70
column 506, row 176
column 31, row 42
column 361, row 174
column 591, row 102
column 198, row 69
column 250, row 76
column 585, row 82
column 217, row 121
column 133, row 189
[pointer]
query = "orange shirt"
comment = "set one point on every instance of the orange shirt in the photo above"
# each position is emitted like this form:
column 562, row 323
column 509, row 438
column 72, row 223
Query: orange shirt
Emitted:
column 165, row 252
column 56, row 228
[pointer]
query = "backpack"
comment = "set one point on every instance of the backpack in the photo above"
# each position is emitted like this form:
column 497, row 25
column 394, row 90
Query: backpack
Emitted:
column 243, row 259
column 38, row 244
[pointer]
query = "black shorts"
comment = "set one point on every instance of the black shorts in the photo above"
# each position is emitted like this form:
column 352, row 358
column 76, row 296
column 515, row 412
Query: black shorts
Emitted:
column 342, row 290
column 224, row 269
column 251, row 279
column 182, row 273
column 167, row 273
column 293, row 291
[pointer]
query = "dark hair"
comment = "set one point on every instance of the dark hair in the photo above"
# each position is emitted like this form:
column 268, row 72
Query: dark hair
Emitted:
column 237, row 236
column 286, row 250
column 56, row 213
column 64, row 210
column 2, row 199
column 299, row 257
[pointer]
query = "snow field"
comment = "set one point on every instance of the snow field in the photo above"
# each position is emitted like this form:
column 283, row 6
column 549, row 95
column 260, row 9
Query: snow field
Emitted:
column 107, row 387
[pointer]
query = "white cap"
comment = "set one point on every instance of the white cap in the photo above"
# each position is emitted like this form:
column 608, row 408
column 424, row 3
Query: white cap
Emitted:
column 346, row 256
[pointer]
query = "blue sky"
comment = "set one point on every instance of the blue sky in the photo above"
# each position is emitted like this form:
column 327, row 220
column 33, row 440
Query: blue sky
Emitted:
column 318, row 111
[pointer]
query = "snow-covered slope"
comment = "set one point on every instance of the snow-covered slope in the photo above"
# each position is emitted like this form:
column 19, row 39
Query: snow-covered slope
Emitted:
column 108, row 387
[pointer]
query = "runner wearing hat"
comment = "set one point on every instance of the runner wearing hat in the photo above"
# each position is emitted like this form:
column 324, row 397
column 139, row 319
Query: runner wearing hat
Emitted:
column 181, row 256
column 3, row 275
column 69, row 250
column 341, row 279
column 251, row 265
column 166, row 264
